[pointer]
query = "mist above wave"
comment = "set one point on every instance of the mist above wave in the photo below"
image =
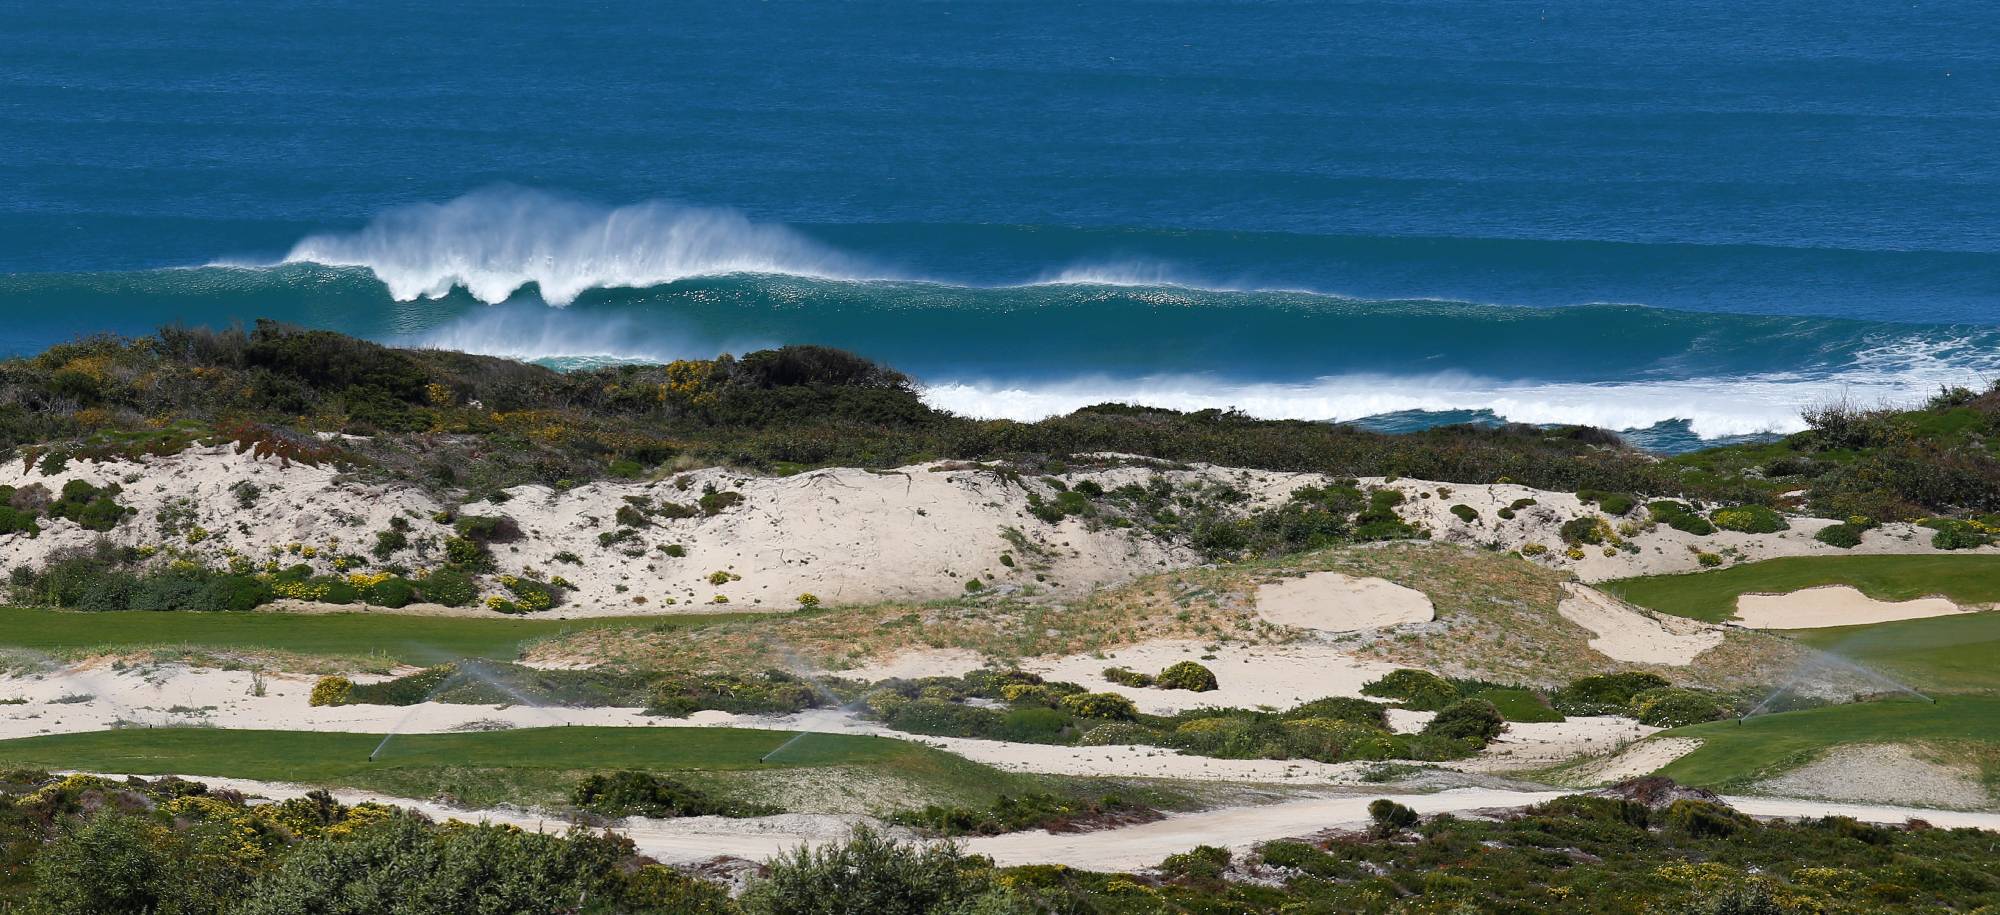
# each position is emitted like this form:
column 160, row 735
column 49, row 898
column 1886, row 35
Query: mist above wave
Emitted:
column 494, row 242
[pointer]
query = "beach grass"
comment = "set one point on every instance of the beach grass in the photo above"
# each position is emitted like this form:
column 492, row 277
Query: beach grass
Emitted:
column 533, row 766
column 1735, row 755
column 1942, row 653
column 403, row 639
column 1711, row 596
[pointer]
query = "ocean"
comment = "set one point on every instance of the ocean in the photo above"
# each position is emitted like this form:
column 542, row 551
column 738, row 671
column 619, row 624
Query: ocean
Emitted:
column 1686, row 221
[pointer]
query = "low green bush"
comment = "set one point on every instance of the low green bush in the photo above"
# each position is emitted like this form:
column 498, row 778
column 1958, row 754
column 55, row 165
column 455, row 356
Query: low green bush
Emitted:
column 449, row 588
column 1602, row 694
column 1957, row 535
column 1343, row 708
column 774, row 692
column 1843, row 535
column 644, row 794
column 1749, row 519
column 1127, row 677
column 1467, row 719
column 1466, row 513
column 1416, row 689
column 1012, row 813
column 1186, row 675
column 1672, row 707
column 1614, row 504
column 1680, row 516
column 1109, row 706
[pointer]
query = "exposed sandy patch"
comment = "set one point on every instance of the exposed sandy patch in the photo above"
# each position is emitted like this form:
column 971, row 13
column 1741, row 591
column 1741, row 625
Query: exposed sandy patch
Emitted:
column 1834, row 605
column 1882, row 773
column 1335, row 602
column 1626, row 633
column 1540, row 744
column 915, row 665
column 1642, row 758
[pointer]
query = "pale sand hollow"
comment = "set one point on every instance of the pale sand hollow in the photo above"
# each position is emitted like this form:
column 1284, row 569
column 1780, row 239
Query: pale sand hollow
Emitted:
column 1333, row 602
column 1883, row 774
column 1834, row 605
column 694, row 840
column 1541, row 744
column 1625, row 633
column 1644, row 757
column 1248, row 676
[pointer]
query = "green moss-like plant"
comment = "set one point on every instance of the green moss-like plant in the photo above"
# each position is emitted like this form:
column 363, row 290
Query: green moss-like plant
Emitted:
column 1186, row 675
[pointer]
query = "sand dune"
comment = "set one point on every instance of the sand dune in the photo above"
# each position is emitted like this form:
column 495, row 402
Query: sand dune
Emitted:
column 1834, row 605
column 1626, row 633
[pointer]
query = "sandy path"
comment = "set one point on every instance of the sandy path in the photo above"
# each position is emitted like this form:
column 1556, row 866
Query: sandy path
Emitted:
column 1333, row 602
column 697, row 839
column 1834, row 605
column 1625, row 633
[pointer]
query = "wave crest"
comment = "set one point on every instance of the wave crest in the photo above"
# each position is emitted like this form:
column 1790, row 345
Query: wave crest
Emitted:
column 494, row 242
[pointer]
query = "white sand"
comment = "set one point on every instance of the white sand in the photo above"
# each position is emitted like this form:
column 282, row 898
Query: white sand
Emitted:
column 1527, row 745
column 1834, row 605
column 1333, row 602
column 1627, row 633
column 1644, row 757
column 1883, row 774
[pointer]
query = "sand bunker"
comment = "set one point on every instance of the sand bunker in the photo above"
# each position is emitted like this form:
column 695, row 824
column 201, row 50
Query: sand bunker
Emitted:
column 1834, row 605
column 1332, row 602
column 1626, row 633
column 1644, row 757
column 1881, row 773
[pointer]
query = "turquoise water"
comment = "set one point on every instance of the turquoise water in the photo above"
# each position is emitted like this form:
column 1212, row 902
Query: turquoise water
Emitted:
column 1686, row 222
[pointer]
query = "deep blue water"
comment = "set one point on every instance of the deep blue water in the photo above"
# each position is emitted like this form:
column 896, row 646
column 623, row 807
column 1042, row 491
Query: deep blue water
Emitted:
column 1618, row 213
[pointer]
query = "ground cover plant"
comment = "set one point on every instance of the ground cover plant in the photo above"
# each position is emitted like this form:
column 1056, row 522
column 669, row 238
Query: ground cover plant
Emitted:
column 1711, row 596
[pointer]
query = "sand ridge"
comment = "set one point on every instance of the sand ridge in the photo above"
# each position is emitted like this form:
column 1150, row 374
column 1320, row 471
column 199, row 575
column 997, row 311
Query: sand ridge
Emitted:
column 1626, row 633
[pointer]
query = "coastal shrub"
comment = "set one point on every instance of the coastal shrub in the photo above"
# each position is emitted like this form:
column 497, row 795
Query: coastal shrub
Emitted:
column 1601, row 694
column 773, row 692
column 487, row 529
column 1614, row 504
column 715, row 502
column 531, row 596
column 388, row 542
column 1109, row 706
column 1843, row 535
column 1388, row 818
column 331, row 691
column 1186, row 675
column 1200, row 863
column 449, row 588
column 16, row 521
column 1672, row 707
column 91, row 507
column 629, row 793
column 1702, row 819
column 1118, row 733
column 392, row 591
column 1380, row 521
column 1590, row 529
column 1467, row 719
column 1416, row 689
column 1127, row 677
column 1708, row 560
column 1680, row 516
column 1749, row 519
column 1952, row 534
column 1343, row 708
column 1466, row 513
column 872, row 873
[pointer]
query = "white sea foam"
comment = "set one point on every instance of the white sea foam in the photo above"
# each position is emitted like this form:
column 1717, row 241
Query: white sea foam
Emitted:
column 494, row 242
column 1714, row 408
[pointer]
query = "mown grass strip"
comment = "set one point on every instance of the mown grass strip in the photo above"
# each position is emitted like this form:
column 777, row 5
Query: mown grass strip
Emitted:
column 1711, row 596
column 402, row 638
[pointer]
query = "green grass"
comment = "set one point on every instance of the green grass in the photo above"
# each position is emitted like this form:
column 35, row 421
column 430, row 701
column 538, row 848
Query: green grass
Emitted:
column 1734, row 755
column 1945, row 653
column 1519, row 705
column 531, row 765
column 1711, row 596
column 401, row 638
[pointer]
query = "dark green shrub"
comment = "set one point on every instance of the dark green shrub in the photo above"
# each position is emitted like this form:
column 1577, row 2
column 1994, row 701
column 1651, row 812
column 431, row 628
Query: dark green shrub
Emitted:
column 714, row 503
column 874, row 874
column 1416, row 689
column 1110, row 706
column 233, row 593
column 393, row 592
column 90, row 507
column 1127, row 677
column 452, row 589
column 1602, row 694
column 15, row 521
column 1672, row 707
column 1843, row 535
column 1614, row 504
column 1466, row 513
column 1467, row 719
column 1956, row 535
column 1011, row 813
column 1186, row 675
column 643, row 794
column 388, row 542
column 1200, row 863
column 1343, row 708
column 1590, row 529
column 487, row 529
column 1702, row 819
column 773, row 692
column 1389, row 818
column 1680, row 516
